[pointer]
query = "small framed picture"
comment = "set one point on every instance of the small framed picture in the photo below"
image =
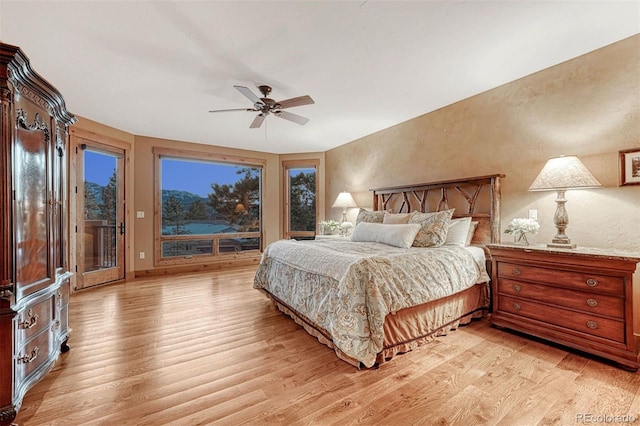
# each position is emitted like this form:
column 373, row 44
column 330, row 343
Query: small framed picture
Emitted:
column 630, row 167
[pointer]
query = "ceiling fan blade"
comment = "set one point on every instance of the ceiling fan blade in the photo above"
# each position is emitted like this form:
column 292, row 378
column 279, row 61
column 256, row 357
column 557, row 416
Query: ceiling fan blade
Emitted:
column 257, row 122
column 294, row 102
column 249, row 94
column 292, row 117
column 233, row 109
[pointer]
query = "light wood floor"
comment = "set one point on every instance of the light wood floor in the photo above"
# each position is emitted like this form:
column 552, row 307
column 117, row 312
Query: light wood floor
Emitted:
column 208, row 349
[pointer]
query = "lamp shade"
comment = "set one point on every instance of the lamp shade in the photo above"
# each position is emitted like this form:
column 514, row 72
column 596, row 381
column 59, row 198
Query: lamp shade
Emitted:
column 565, row 172
column 344, row 200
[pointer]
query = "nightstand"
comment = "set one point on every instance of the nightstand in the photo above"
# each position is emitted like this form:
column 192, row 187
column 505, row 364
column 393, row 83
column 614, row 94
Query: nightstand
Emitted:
column 583, row 298
column 332, row 237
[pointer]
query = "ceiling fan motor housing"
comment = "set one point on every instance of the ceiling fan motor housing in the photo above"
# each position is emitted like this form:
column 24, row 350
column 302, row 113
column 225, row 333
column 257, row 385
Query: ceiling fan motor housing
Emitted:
column 267, row 104
column 265, row 90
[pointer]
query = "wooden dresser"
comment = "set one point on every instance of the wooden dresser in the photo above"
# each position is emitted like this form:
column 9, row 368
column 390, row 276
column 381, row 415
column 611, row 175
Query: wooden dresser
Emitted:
column 34, row 271
column 582, row 298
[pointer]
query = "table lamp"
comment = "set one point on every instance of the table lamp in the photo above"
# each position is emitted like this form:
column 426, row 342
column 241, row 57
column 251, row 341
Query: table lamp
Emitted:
column 559, row 174
column 344, row 201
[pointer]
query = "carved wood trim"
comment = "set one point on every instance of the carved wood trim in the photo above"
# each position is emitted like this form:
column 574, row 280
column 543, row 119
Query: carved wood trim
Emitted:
column 38, row 124
column 31, row 85
column 422, row 200
column 467, row 189
column 443, row 204
column 471, row 199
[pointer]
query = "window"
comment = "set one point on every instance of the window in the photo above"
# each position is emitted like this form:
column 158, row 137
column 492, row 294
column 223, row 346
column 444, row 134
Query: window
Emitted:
column 209, row 206
column 301, row 212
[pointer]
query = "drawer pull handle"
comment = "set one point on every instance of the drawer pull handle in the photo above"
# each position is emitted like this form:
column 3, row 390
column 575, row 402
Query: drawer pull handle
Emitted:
column 592, row 282
column 30, row 321
column 517, row 288
column 516, row 306
column 26, row 359
column 516, row 271
column 592, row 302
column 592, row 325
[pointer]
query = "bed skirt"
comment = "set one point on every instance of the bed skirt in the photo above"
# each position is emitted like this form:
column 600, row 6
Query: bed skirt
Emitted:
column 411, row 327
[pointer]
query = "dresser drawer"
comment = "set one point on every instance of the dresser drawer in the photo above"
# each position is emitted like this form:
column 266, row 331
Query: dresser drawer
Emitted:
column 582, row 322
column 571, row 279
column 599, row 304
column 32, row 320
column 33, row 355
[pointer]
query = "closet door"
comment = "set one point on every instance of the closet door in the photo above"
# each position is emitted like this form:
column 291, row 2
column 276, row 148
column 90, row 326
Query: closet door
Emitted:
column 32, row 202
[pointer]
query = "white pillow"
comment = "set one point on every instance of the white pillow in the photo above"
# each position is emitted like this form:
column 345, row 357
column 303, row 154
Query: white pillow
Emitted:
column 397, row 235
column 458, row 232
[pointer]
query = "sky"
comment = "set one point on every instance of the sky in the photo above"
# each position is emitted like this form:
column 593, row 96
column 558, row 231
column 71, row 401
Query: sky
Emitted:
column 98, row 167
column 196, row 177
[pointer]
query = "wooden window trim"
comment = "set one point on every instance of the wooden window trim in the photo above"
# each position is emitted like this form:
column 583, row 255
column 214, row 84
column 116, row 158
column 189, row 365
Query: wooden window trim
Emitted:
column 215, row 256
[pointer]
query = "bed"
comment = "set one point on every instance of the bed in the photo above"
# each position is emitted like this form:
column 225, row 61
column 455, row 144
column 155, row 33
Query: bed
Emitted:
column 375, row 295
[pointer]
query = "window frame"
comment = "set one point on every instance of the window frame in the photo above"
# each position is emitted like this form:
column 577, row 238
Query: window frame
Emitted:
column 298, row 164
column 216, row 255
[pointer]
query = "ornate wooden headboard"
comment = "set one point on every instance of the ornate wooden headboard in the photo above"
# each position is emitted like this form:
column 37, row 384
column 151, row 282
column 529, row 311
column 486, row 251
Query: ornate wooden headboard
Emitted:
column 478, row 197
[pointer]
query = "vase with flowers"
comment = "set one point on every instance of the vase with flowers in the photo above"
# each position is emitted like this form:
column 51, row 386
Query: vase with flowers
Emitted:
column 329, row 227
column 520, row 227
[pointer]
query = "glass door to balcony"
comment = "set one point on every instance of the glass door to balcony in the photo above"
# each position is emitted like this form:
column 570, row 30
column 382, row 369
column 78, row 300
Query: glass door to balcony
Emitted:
column 102, row 228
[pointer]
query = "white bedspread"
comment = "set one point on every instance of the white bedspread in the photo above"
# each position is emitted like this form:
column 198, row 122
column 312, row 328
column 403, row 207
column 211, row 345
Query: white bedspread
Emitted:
column 348, row 288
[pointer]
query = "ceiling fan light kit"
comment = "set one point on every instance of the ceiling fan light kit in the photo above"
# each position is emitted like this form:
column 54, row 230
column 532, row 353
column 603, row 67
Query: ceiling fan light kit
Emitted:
column 265, row 105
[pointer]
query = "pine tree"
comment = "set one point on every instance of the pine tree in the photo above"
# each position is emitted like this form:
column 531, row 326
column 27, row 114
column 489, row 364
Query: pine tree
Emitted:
column 91, row 204
column 173, row 216
column 303, row 201
column 109, row 200
column 238, row 203
column 197, row 211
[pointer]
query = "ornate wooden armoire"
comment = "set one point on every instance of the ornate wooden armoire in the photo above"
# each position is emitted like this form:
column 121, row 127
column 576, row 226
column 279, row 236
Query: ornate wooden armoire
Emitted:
column 34, row 270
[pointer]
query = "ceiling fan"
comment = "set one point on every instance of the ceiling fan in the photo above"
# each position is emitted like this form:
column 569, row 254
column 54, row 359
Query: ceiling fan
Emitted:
column 265, row 105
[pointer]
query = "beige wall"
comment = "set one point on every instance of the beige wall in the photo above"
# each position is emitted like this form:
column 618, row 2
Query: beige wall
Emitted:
column 103, row 130
column 588, row 106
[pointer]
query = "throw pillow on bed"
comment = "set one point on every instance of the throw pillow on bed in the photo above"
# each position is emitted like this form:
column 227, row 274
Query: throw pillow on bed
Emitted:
column 398, row 235
column 370, row 217
column 435, row 226
column 395, row 218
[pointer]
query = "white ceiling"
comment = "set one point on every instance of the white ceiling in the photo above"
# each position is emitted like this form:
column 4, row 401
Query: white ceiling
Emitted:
column 155, row 68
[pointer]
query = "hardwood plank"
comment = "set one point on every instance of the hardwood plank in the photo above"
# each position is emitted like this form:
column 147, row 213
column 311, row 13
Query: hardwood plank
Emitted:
column 206, row 348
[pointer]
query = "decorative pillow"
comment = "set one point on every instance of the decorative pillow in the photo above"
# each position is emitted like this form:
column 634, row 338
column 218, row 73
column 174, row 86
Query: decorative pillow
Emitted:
column 371, row 217
column 472, row 231
column 434, row 228
column 458, row 232
column 393, row 218
column 398, row 235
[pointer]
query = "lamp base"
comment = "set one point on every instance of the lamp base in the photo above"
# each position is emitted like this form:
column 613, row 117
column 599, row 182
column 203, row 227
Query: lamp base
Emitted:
column 561, row 245
column 561, row 220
